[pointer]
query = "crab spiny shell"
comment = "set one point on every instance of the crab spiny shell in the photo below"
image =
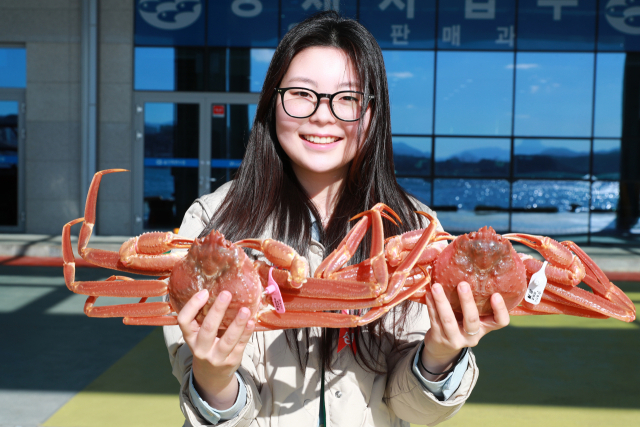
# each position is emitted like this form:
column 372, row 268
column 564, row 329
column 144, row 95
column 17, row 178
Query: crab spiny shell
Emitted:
column 215, row 264
column 488, row 262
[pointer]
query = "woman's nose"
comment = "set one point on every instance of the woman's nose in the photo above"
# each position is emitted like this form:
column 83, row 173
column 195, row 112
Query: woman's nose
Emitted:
column 323, row 114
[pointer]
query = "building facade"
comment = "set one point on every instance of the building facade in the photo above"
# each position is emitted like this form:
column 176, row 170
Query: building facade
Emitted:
column 523, row 115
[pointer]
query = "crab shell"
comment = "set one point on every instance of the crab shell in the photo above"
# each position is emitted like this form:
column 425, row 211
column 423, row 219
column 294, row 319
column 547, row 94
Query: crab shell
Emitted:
column 486, row 261
column 215, row 264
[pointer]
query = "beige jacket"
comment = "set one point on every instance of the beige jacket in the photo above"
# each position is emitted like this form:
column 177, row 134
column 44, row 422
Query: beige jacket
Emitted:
column 279, row 394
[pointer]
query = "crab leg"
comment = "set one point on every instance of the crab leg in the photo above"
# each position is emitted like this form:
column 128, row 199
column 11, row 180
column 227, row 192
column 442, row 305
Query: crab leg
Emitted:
column 152, row 264
column 282, row 256
column 142, row 313
column 590, row 301
column 398, row 278
column 397, row 247
column 607, row 298
column 611, row 291
column 350, row 243
column 298, row 319
column 550, row 307
column 119, row 286
column 554, row 252
column 321, row 288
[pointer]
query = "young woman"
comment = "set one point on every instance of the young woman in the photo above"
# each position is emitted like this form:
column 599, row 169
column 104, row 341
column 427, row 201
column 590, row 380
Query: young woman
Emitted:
column 320, row 152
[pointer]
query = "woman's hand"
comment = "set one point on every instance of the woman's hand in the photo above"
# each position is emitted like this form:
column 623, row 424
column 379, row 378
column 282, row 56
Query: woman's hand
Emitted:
column 215, row 360
column 448, row 336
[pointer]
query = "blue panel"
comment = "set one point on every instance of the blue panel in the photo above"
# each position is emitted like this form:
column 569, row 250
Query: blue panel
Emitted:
column 295, row 11
column 162, row 162
column 606, row 159
column 562, row 195
column 404, row 24
column 243, row 23
column 170, row 22
column 476, row 24
column 13, row 67
column 551, row 158
column 418, row 188
column 154, row 68
column 410, row 77
column 554, row 94
column 260, row 60
column 556, row 24
column 609, row 87
column 619, row 27
column 412, row 156
column 474, row 92
column 479, row 157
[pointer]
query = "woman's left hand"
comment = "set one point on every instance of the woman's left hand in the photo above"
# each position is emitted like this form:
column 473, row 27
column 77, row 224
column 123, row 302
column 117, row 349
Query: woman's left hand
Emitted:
column 448, row 335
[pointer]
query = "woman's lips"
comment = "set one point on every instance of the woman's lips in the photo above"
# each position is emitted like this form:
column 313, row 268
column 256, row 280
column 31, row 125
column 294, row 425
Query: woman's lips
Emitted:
column 320, row 139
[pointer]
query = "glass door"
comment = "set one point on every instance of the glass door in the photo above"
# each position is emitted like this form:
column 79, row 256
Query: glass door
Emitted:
column 170, row 162
column 230, row 129
column 186, row 145
column 12, row 108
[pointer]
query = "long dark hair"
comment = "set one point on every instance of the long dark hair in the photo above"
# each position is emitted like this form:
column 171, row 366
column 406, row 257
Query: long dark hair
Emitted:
column 266, row 190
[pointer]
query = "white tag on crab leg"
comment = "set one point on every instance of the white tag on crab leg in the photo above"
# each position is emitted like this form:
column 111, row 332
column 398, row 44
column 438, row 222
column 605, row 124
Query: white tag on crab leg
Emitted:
column 536, row 286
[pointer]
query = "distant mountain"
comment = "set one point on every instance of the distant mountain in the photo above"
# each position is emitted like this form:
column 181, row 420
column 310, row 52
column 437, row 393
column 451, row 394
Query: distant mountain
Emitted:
column 477, row 154
column 534, row 147
column 402, row 149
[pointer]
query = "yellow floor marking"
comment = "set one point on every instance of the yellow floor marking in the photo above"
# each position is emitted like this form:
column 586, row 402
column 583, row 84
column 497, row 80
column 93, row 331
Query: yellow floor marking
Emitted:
column 138, row 390
column 489, row 415
column 587, row 365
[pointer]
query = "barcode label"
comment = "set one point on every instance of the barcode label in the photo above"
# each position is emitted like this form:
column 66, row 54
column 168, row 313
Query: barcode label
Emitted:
column 536, row 286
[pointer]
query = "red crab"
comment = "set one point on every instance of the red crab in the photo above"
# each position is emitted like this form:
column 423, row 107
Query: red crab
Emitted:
column 216, row 264
column 402, row 270
column 488, row 262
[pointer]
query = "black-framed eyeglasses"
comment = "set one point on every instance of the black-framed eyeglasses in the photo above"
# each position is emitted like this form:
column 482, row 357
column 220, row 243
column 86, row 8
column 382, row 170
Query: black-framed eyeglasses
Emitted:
column 346, row 105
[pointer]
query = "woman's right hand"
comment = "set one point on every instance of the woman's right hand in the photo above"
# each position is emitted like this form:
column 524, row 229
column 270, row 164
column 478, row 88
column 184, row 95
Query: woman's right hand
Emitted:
column 215, row 360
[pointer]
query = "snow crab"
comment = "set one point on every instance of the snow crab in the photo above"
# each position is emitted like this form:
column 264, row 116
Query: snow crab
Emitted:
column 214, row 263
column 399, row 269
column 489, row 263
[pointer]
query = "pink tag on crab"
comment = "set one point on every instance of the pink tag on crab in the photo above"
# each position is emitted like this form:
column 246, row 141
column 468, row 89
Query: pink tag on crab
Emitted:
column 274, row 291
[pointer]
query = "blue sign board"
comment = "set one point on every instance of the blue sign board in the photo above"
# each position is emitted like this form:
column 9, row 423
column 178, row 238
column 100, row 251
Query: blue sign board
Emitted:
column 243, row 23
column 173, row 163
column 296, row 11
column 226, row 163
column 8, row 160
column 476, row 24
column 169, row 22
column 156, row 162
column 566, row 25
column 400, row 24
column 619, row 26
column 557, row 24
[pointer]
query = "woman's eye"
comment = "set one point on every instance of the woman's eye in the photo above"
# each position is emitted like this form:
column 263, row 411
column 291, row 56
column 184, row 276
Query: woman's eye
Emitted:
column 302, row 94
column 349, row 98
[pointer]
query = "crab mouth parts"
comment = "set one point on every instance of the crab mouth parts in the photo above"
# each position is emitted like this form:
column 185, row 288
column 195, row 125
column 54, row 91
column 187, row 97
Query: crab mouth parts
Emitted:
column 320, row 139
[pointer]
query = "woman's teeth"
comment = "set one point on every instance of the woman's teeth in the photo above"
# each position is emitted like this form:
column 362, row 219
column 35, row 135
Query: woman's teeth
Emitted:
column 320, row 139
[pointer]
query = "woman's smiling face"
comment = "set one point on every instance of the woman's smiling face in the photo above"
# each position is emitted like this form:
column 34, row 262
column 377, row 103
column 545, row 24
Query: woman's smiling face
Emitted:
column 320, row 145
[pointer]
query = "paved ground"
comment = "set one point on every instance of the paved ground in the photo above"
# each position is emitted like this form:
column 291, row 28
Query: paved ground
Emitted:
column 63, row 369
column 50, row 349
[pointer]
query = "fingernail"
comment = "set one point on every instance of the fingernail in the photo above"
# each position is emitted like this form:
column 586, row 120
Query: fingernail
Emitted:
column 203, row 294
column 250, row 324
column 436, row 288
column 463, row 287
column 224, row 296
column 244, row 313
